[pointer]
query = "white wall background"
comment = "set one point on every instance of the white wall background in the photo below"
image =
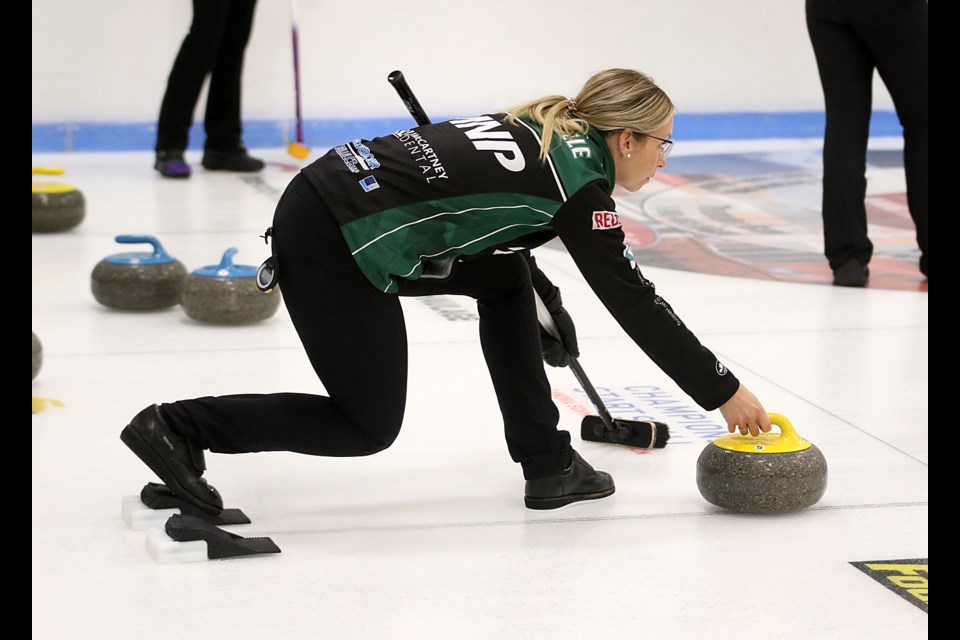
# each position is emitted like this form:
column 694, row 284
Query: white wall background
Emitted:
column 108, row 60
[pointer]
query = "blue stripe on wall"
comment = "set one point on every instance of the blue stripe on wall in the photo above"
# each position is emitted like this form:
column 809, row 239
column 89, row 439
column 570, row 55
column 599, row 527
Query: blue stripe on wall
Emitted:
column 107, row 136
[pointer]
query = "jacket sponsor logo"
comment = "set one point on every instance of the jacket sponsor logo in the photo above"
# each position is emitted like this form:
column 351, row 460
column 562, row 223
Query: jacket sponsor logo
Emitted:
column 355, row 155
column 369, row 184
column 505, row 149
column 423, row 154
column 605, row 220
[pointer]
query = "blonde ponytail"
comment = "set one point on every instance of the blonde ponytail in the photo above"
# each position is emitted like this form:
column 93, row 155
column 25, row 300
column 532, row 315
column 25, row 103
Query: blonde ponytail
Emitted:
column 611, row 100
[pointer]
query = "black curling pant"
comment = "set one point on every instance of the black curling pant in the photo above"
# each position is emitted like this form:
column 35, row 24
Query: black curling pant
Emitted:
column 214, row 46
column 355, row 338
column 852, row 38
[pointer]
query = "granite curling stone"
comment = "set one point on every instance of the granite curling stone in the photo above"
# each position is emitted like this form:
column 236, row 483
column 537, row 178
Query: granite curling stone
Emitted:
column 37, row 355
column 56, row 207
column 770, row 473
column 227, row 293
column 139, row 281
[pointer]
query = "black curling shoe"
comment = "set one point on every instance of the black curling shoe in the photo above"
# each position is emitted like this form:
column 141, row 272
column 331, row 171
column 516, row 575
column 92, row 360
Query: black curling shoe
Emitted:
column 577, row 482
column 233, row 160
column 176, row 460
column 171, row 164
column 851, row 274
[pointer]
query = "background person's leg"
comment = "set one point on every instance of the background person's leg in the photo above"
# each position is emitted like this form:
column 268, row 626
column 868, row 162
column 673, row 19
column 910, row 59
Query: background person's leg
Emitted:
column 194, row 61
column 222, row 121
column 897, row 34
column 846, row 67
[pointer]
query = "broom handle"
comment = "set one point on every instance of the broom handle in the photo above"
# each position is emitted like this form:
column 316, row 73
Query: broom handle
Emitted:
column 543, row 315
column 295, row 32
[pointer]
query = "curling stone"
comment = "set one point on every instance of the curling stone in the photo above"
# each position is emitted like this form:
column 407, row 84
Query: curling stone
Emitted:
column 227, row 293
column 56, row 207
column 770, row 473
column 37, row 355
column 142, row 281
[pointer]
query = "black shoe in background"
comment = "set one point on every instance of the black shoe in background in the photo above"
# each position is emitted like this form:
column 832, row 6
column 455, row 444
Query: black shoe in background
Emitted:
column 233, row 160
column 171, row 164
column 577, row 482
column 851, row 274
column 177, row 461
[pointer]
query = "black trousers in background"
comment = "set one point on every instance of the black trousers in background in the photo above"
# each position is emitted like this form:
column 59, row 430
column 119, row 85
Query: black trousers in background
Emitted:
column 214, row 46
column 355, row 338
column 851, row 39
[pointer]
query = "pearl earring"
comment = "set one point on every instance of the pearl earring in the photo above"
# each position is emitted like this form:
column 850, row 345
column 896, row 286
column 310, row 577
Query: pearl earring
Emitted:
column 628, row 155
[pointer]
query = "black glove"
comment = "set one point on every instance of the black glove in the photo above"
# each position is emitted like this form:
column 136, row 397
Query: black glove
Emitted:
column 555, row 352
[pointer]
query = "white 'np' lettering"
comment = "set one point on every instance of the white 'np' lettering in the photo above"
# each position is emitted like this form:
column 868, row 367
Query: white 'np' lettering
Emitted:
column 506, row 150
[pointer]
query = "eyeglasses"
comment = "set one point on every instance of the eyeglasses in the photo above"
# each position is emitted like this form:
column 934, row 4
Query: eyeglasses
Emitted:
column 666, row 146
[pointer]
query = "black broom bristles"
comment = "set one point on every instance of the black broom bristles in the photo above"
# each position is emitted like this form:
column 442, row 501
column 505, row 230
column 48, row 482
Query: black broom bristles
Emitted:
column 632, row 433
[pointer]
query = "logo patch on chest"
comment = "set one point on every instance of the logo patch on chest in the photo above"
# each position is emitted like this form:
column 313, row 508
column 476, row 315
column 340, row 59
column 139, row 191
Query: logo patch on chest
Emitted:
column 605, row 220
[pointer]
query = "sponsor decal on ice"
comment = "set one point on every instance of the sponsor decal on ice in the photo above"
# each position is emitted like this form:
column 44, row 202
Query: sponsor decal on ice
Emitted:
column 906, row 578
column 689, row 424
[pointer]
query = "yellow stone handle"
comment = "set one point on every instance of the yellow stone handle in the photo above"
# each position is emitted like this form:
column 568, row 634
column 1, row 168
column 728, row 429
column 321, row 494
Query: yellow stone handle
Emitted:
column 48, row 171
column 787, row 441
column 787, row 433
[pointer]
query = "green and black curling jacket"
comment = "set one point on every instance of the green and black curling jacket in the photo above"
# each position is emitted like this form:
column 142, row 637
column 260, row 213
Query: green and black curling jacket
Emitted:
column 412, row 202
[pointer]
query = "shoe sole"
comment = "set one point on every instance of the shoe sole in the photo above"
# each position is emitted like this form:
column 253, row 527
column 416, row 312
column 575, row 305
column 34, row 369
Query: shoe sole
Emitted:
column 149, row 456
column 543, row 504
column 173, row 174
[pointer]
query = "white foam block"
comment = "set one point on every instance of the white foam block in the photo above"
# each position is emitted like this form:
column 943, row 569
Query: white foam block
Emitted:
column 139, row 516
column 165, row 549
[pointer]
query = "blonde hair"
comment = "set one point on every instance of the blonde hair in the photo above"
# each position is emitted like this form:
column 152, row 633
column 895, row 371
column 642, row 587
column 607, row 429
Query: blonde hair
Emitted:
column 611, row 100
